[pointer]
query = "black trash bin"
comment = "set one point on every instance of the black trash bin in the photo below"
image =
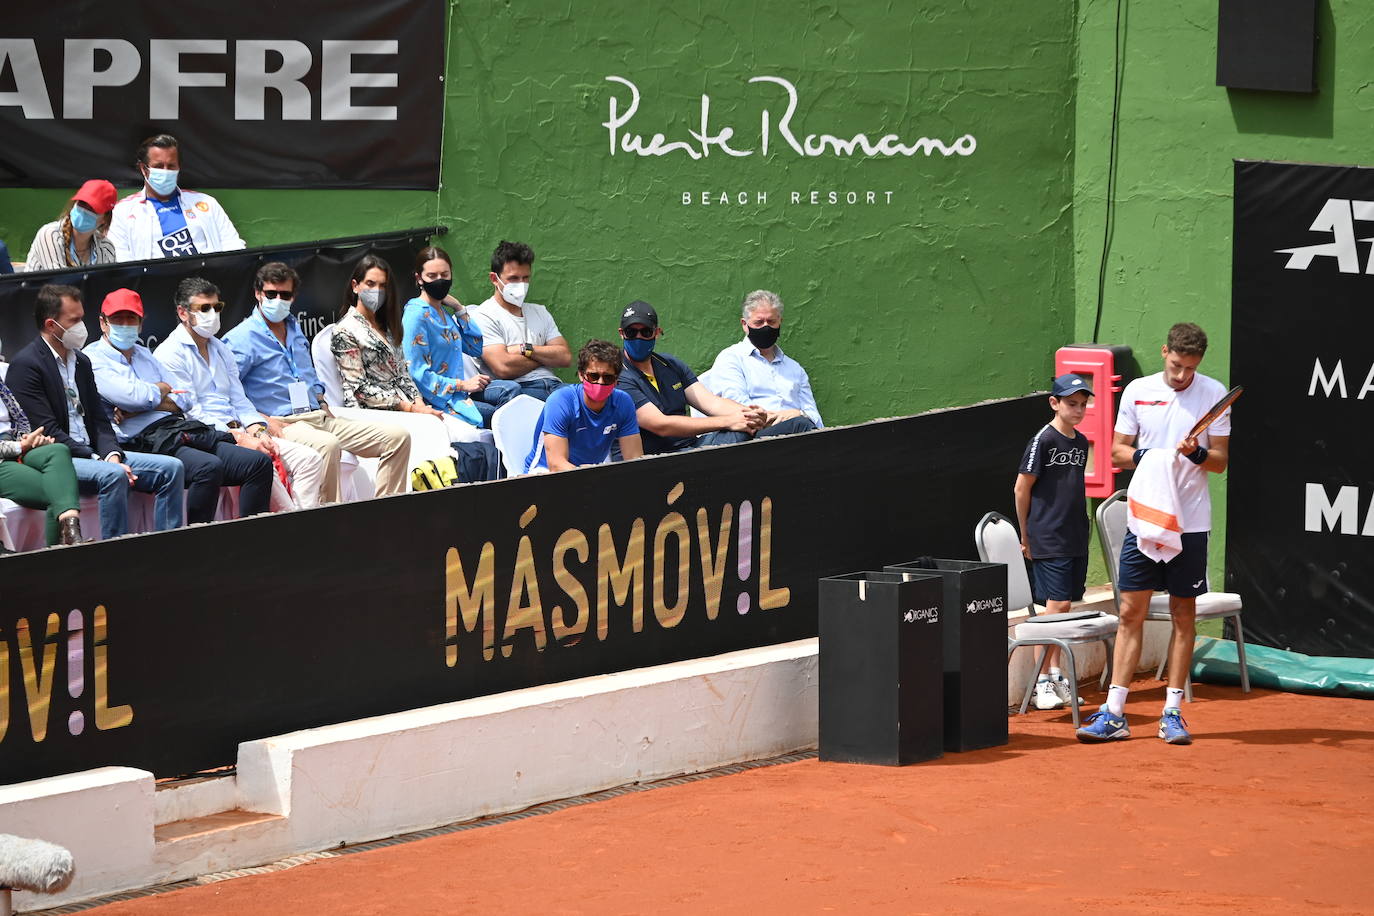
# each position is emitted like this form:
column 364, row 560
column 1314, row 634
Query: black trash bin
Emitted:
column 880, row 668
column 975, row 649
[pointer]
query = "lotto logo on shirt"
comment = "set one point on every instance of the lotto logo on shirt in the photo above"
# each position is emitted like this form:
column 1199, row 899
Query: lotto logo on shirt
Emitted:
column 178, row 244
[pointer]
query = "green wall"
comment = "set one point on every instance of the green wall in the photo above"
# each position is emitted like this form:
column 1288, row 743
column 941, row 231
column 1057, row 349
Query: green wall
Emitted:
column 956, row 291
column 1170, row 255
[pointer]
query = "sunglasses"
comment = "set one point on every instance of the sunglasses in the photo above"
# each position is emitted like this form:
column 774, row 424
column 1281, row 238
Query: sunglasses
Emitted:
column 601, row 378
column 205, row 307
column 639, row 331
column 285, row 295
column 75, row 402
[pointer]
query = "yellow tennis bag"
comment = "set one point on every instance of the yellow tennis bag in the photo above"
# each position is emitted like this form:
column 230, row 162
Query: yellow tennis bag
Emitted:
column 435, row 474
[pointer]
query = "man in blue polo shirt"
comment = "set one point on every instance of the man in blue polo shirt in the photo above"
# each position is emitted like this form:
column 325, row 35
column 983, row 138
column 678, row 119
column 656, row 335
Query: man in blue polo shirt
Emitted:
column 273, row 357
column 580, row 422
column 663, row 387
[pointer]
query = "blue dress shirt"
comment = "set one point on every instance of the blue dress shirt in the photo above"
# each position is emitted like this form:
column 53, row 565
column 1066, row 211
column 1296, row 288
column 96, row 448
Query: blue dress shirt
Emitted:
column 216, row 394
column 741, row 374
column 130, row 384
column 266, row 367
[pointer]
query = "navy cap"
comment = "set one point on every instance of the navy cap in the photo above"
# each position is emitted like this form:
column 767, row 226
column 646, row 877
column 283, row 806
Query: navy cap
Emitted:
column 1068, row 383
column 639, row 312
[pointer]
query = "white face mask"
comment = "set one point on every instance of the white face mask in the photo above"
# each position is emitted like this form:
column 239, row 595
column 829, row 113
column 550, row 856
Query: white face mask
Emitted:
column 206, row 324
column 515, row 293
column 74, row 337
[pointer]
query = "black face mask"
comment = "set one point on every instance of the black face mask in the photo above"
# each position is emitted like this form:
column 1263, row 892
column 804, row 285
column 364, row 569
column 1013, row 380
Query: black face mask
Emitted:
column 437, row 289
column 764, row 337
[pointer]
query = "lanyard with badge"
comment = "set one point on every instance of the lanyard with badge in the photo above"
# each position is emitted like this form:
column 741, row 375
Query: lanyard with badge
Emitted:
column 297, row 391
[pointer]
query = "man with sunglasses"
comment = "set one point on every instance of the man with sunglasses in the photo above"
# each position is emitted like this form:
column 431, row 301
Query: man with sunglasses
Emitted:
column 580, row 422
column 149, row 416
column 194, row 359
column 662, row 387
column 279, row 378
column 55, row 385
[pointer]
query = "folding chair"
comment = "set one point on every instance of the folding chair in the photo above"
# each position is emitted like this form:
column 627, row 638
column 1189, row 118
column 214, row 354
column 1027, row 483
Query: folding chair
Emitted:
column 1111, row 532
column 998, row 542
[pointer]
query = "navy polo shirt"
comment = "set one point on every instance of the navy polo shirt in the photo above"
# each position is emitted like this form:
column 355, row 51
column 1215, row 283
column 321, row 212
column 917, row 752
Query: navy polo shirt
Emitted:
column 669, row 395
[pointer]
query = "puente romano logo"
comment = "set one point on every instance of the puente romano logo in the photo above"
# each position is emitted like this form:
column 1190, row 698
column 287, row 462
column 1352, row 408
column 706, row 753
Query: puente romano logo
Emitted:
column 880, row 142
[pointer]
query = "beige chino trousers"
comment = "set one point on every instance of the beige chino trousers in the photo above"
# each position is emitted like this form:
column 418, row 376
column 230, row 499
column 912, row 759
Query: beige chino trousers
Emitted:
column 329, row 435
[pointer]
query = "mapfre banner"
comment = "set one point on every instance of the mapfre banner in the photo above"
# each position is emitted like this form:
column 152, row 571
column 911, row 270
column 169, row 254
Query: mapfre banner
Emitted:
column 1300, row 519
column 347, row 94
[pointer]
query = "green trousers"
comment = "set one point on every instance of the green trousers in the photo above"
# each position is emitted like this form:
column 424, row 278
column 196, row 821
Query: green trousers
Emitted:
column 43, row 480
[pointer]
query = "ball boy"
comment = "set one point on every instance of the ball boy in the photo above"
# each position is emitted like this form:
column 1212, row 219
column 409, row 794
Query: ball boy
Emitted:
column 1052, row 513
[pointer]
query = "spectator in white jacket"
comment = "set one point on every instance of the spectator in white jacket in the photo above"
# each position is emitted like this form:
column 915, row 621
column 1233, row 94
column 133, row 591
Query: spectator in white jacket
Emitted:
column 164, row 220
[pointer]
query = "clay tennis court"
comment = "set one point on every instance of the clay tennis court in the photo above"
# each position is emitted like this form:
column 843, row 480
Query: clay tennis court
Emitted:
column 1267, row 812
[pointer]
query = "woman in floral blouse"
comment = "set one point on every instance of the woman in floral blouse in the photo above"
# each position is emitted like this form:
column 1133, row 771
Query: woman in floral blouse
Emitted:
column 366, row 340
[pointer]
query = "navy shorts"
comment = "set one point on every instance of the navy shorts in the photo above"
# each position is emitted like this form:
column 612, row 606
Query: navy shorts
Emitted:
column 1059, row 578
column 1185, row 576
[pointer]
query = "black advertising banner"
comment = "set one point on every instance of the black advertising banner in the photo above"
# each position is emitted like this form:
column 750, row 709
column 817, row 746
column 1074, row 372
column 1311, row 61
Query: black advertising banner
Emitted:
column 325, row 268
column 164, row 651
column 344, row 94
column 1301, row 482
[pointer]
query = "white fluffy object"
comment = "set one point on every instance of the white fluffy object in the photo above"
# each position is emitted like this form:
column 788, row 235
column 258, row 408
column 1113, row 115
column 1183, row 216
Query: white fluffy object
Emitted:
column 34, row 865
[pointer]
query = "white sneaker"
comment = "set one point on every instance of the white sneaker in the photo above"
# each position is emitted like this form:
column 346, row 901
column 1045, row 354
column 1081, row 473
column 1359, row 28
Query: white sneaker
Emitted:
column 1062, row 690
column 1046, row 697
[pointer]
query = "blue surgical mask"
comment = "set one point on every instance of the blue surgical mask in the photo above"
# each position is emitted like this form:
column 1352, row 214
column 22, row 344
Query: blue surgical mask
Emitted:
column 83, row 220
column 639, row 348
column 163, row 181
column 274, row 309
column 123, row 336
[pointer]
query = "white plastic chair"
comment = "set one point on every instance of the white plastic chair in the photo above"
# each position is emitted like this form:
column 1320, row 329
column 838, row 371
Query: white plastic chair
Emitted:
column 998, row 542
column 351, row 488
column 1111, row 533
column 512, row 427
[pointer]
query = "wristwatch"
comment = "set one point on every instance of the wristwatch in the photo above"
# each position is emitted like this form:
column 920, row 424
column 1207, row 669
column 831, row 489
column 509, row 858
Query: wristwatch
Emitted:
column 527, row 351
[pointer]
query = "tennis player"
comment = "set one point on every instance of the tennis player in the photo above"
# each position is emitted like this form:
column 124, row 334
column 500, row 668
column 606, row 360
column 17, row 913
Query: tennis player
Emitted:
column 1159, row 411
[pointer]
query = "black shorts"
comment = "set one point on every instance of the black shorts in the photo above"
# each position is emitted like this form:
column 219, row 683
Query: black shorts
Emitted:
column 1185, row 576
column 1059, row 578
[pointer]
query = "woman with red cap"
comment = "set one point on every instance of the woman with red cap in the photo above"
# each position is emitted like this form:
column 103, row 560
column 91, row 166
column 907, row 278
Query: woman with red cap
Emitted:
column 77, row 237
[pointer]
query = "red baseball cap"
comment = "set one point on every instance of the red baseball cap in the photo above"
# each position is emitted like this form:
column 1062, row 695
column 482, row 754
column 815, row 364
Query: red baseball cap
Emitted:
column 122, row 300
column 98, row 194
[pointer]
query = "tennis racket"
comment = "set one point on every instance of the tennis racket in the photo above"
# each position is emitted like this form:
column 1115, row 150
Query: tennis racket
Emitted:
column 1216, row 410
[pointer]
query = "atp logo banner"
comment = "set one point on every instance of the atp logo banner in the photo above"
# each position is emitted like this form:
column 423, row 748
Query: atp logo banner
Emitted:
column 1299, row 520
column 1337, row 219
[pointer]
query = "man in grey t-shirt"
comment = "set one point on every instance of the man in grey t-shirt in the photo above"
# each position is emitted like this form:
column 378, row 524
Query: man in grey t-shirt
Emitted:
column 520, row 341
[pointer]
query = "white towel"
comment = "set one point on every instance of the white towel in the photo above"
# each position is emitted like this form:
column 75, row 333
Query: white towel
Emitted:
column 1152, row 505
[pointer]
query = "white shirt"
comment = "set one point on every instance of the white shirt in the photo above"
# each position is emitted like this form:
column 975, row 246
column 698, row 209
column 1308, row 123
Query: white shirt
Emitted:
column 741, row 374
column 76, row 423
column 499, row 327
column 135, row 229
column 216, row 394
column 1160, row 417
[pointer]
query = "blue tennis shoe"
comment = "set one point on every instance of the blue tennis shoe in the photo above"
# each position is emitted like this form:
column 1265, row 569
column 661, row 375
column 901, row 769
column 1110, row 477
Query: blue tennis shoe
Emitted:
column 1173, row 729
column 1103, row 726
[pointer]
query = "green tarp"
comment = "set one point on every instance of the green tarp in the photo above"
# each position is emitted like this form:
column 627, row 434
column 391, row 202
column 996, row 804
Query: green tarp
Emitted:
column 1214, row 662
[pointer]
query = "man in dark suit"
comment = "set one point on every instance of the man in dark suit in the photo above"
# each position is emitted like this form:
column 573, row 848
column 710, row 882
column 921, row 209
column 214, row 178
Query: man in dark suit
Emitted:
column 53, row 382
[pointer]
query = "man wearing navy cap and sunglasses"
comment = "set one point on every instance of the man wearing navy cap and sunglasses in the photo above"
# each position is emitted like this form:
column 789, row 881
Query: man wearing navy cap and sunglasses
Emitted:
column 663, row 386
